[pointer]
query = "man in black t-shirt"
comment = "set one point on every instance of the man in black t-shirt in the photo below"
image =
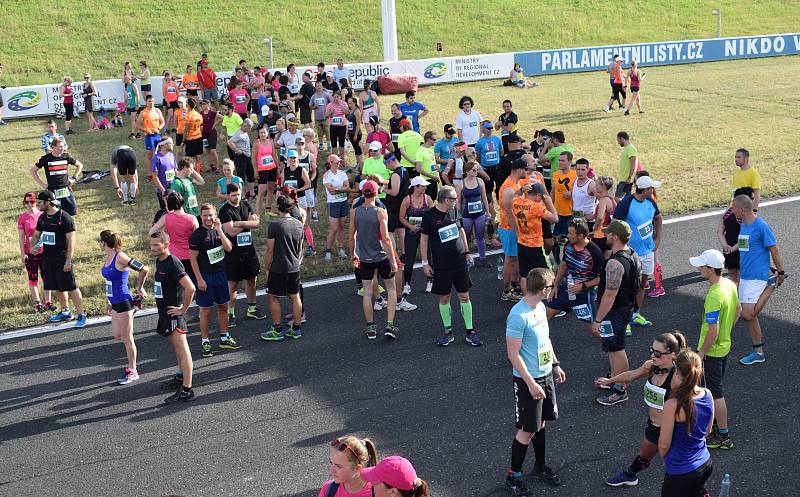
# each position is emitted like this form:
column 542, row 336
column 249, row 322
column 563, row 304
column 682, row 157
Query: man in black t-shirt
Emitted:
column 173, row 291
column 208, row 246
column 55, row 237
column 56, row 170
column 503, row 170
column 451, row 260
column 282, row 263
column 304, row 103
column 238, row 218
column 506, row 124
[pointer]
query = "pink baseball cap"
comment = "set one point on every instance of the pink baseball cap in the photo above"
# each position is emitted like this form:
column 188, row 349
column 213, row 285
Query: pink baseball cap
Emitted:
column 369, row 187
column 394, row 471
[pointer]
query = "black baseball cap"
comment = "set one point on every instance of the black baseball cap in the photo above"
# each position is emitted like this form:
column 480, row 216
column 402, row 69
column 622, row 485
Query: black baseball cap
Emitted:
column 514, row 138
column 449, row 129
column 519, row 164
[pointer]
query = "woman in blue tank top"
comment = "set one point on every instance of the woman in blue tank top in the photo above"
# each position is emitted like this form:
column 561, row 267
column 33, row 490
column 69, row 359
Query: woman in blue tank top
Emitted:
column 474, row 207
column 120, row 301
column 685, row 422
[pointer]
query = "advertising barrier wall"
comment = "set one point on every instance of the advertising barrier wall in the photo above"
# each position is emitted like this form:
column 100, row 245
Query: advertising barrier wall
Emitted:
column 43, row 100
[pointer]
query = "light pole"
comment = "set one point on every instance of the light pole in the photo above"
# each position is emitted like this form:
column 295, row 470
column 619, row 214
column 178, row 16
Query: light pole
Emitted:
column 268, row 42
column 389, row 28
column 718, row 13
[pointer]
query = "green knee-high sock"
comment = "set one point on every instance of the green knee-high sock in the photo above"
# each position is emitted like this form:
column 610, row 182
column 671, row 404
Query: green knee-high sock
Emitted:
column 466, row 313
column 447, row 315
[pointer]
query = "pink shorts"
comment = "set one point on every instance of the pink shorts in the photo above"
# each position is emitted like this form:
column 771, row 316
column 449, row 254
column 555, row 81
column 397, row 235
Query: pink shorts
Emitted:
column 366, row 113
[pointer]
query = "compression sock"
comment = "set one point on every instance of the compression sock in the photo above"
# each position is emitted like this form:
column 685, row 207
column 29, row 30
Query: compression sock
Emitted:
column 309, row 236
column 132, row 189
column 539, row 441
column 466, row 313
column 518, row 452
column 124, row 188
column 447, row 315
column 638, row 464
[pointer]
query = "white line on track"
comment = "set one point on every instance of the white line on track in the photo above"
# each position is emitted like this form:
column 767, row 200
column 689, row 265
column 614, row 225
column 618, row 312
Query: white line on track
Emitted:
column 37, row 330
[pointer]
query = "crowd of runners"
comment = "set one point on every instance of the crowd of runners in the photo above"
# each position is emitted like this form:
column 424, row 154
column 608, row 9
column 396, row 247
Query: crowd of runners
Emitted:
column 397, row 191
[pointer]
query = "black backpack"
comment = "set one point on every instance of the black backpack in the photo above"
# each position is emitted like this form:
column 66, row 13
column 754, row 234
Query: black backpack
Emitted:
column 332, row 489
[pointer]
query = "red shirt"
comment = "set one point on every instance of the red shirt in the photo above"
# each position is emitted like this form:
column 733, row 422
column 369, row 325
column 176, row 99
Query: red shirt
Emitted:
column 379, row 136
column 27, row 223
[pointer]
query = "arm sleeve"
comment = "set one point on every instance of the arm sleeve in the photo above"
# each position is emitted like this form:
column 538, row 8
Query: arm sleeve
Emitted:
column 712, row 309
column 621, row 211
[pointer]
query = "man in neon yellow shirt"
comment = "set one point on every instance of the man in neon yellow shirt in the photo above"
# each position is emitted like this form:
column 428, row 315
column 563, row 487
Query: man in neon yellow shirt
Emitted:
column 374, row 165
column 628, row 164
column 720, row 310
column 407, row 143
column 425, row 164
column 747, row 176
column 231, row 122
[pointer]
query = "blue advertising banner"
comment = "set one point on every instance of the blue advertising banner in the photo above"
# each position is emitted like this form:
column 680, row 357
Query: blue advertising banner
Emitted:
column 657, row 54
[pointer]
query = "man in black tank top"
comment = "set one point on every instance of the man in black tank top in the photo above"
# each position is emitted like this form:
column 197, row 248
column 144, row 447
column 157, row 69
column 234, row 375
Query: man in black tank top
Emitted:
column 616, row 296
column 396, row 191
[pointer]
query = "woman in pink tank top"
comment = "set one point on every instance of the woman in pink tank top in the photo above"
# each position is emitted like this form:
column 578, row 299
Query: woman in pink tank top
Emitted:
column 179, row 226
column 265, row 162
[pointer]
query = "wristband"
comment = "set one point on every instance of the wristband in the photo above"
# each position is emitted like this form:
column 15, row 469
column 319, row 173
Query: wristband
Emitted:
column 598, row 322
column 556, row 365
column 425, row 263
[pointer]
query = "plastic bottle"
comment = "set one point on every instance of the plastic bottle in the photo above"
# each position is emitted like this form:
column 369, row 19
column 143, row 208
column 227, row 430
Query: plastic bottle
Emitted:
column 570, row 282
column 500, row 268
column 725, row 488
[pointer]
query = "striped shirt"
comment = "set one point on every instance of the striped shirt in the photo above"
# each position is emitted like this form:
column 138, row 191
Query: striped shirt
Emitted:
column 583, row 264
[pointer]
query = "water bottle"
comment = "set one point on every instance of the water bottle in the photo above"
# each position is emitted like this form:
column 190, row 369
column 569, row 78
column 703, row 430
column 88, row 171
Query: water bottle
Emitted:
column 725, row 488
column 500, row 268
column 570, row 282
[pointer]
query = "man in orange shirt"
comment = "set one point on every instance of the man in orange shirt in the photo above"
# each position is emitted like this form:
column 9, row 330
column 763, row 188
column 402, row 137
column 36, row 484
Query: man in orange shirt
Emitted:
column 529, row 208
column 151, row 121
column 193, row 135
column 563, row 181
column 507, row 232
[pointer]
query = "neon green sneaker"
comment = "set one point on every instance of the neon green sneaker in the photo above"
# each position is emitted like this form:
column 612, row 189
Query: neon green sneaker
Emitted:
column 628, row 331
column 639, row 320
column 273, row 335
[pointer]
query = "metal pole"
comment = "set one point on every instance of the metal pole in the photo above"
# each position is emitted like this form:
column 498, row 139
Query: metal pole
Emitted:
column 718, row 13
column 389, row 23
column 271, row 62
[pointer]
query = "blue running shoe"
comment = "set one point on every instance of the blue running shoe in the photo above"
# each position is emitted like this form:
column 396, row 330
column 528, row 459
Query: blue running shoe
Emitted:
column 473, row 339
column 752, row 358
column 81, row 322
column 446, row 339
column 773, row 279
column 61, row 316
column 622, row 478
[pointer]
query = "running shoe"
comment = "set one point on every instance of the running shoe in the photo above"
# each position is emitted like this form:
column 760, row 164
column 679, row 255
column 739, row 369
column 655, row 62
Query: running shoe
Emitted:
column 342, row 254
column 547, row 475
column 254, row 314
column 205, row 348
column 231, row 321
column 606, row 108
column 38, row 307
column 372, row 332
column 405, row 305
column 61, row 316
column 50, row 307
column 561, row 314
column 360, row 291
column 381, row 289
column 132, row 201
column 719, row 441
column 328, row 256
column 772, row 279
column 3, row 123
column 622, row 478
column 613, row 398
column 380, row 304
column 294, row 333
column 290, row 317
column 628, row 330
column 506, row 295
column 639, row 320
column 273, row 335
column 446, row 339
column 172, row 383
column 128, row 375
column 428, row 286
column 180, row 397
column 390, row 331
column 473, row 339
column 406, row 289
column 752, row 358
column 229, row 343
column 315, row 216
column 516, row 294
column 517, row 487
column 69, row 132
column 81, row 321
column 310, row 251
column 627, row 112
column 656, row 292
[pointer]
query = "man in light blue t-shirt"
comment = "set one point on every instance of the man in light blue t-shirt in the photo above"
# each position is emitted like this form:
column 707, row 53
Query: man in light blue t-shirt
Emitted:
column 413, row 110
column 536, row 371
column 444, row 149
column 641, row 212
column 757, row 243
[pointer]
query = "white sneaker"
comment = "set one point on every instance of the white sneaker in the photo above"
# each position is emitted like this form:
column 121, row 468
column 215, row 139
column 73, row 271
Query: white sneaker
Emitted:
column 622, row 109
column 380, row 304
column 606, row 109
column 342, row 253
column 428, row 286
column 406, row 289
column 405, row 305
column 328, row 257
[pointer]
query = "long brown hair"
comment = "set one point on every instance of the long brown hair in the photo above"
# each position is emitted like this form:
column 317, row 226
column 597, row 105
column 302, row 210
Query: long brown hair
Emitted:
column 691, row 367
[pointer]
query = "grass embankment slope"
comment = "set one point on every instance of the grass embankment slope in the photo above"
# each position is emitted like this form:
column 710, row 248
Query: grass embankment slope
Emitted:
column 46, row 40
column 697, row 115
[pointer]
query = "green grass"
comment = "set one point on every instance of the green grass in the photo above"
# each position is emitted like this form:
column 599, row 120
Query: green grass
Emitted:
column 58, row 38
column 697, row 115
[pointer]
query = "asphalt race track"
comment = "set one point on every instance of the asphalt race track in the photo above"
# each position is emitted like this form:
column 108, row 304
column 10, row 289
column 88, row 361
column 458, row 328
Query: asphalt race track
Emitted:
column 265, row 414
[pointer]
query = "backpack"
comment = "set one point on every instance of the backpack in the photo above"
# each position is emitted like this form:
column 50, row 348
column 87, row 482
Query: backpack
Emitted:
column 332, row 489
column 635, row 263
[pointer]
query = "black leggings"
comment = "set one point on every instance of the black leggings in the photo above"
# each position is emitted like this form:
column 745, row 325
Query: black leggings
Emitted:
column 355, row 140
column 688, row 485
column 338, row 134
column 410, row 246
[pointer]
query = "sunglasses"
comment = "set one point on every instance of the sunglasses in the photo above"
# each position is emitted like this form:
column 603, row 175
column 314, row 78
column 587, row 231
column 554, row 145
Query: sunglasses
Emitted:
column 549, row 287
column 341, row 447
column 451, row 198
column 657, row 353
column 29, row 202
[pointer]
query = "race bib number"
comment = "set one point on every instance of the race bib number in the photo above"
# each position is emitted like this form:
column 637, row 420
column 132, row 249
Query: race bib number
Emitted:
column 395, row 136
column 192, row 203
column 415, row 220
column 474, row 207
column 545, row 357
column 473, row 124
column 654, row 396
column 340, row 196
column 319, row 102
column 448, row 233
column 61, row 192
column 267, row 161
column 169, row 175
column 583, row 312
column 504, row 133
column 157, row 291
column 216, row 254
column 244, row 239
column 337, row 120
column 606, row 330
column 240, row 99
column 205, row 142
column 291, row 183
column 109, row 289
column 48, row 238
column 491, row 156
column 645, row 230
column 273, row 130
column 547, row 173
column 744, row 243
column 349, row 126
column 578, row 214
column 294, row 88
column 172, row 90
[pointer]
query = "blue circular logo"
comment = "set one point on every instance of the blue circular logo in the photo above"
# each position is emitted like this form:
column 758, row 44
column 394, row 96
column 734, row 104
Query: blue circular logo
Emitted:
column 435, row 70
column 25, row 100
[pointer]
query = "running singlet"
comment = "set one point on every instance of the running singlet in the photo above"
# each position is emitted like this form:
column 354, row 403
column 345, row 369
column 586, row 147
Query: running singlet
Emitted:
column 414, row 214
column 293, row 179
column 472, row 204
column 508, row 183
column 195, row 122
column 655, row 396
column 190, row 82
column 151, row 120
column 172, row 92
column 116, row 283
column 264, row 158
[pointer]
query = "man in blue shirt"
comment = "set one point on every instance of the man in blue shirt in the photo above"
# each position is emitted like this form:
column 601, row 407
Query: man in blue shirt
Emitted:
column 641, row 213
column 52, row 134
column 444, row 149
column 413, row 109
column 535, row 370
column 757, row 243
column 489, row 149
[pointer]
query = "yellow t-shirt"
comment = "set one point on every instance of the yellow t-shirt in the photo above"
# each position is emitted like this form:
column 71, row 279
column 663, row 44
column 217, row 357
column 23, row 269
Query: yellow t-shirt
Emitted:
column 563, row 182
column 746, row 177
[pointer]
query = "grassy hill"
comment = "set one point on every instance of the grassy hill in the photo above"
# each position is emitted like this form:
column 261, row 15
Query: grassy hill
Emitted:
column 54, row 38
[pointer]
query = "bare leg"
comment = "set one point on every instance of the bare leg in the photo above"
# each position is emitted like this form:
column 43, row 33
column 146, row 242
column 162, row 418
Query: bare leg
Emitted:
column 205, row 320
column 183, row 356
column 366, row 301
column 77, row 299
column 391, row 295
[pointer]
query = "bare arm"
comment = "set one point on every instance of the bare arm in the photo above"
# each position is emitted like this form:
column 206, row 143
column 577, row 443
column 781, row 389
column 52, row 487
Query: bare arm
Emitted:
column 551, row 214
column 667, row 426
column 506, row 201
column 268, row 253
column 37, row 178
column 197, row 179
column 22, row 244
column 756, row 198
column 159, row 226
column 70, row 245
column 628, row 376
column 614, row 273
column 351, row 234
column 658, row 221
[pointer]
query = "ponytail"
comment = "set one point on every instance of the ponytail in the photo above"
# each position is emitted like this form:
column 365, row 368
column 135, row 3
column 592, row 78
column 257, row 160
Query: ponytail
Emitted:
column 690, row 366
column 372, row 453
column 420, row 489
column 673, row 340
